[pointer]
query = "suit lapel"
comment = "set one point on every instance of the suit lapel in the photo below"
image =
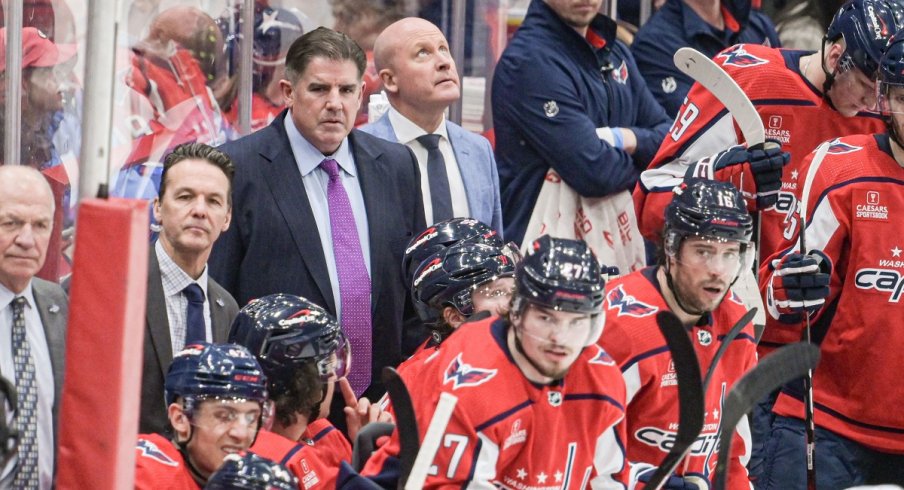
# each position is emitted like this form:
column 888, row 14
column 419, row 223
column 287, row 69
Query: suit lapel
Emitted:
column 54, row 324
column 218, row 317
column 371, row 177
column 284, row 180
column 158, row 323
column 469, row 176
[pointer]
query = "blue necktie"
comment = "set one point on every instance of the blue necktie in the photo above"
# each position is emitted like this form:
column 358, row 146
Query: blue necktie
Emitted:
column 440, row 195
column 26, row 410
column 195, row 329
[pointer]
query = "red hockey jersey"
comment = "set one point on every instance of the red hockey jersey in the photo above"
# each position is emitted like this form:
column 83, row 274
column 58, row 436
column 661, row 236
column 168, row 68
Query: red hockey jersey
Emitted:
column 853, row 213
column 313, row 468
column 159, row 465
column 509, row 432
column 793, row 112
column 633, row 339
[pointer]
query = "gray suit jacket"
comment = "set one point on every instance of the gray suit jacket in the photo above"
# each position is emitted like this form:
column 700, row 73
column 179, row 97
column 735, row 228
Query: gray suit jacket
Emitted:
column 158, row 350
column 475, row 162
column 53, row 307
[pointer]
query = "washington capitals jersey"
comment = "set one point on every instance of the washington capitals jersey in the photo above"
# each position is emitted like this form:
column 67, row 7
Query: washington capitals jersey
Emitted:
column 301, row 459
column 507, row 431
column 793, row 112
column 854, row 213
column 159, row 465
column 633, row 339
column 329, row 443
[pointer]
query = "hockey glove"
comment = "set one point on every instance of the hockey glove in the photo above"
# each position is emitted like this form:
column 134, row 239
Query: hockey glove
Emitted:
column 799, row 283
column 755, row 171
column 673, row 482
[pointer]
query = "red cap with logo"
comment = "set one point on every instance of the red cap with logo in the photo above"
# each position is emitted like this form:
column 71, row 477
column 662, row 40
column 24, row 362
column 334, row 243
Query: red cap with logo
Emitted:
column 37, row 50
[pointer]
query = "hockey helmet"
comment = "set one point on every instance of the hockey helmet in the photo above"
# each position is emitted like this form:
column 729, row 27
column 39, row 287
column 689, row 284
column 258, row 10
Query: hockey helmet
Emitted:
column 274, row 31
column 449, row 277
column 284, row 331
column 248, row 471
column 224, row 371
column 891, row 75
column 443, row 235
column 865, row 26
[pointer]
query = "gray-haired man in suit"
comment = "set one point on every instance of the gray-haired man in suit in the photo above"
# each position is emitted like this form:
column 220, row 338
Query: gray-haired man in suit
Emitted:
column 183, row 304
column 33, row 317
column 458, row 170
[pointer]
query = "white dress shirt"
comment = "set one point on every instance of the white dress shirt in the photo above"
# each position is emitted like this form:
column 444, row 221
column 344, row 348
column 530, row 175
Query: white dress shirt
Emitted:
column 174, row 281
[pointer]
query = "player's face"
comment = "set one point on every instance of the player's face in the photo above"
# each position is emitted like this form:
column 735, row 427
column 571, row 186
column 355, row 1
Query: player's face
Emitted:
column 194, row 209
column 26, row 220
column 703, row 271
column 576, row 13
column 221, row 428
column 551, row 340
column 324, row 101
column 853, row 92
column 422, row 72
column 494, row 296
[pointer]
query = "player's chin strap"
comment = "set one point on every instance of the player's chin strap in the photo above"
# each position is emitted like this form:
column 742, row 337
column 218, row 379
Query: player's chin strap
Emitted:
column 830, row 76
column 182, row 446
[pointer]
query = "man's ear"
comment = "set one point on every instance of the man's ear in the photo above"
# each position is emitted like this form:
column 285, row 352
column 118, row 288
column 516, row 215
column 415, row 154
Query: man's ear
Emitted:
column 288, row 92
column 389, row 81
column 834, row 53
column 179, row 420
column 453, row 317
column 156, row 208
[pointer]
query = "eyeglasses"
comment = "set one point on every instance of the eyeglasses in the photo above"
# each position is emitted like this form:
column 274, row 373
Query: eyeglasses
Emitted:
column 223, row 415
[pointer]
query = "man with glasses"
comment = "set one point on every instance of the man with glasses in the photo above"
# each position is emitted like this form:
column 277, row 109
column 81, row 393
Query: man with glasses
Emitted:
column 706, row 244
column 217, row 402
column 519, row 378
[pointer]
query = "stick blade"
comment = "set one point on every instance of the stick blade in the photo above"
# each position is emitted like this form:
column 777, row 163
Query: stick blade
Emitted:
column 777, row 369
column 690, row 394
column 707, row 73
column 406, row 422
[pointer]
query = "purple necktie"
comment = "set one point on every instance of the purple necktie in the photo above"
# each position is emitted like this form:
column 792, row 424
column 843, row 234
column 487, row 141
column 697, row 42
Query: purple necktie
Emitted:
column 354, row 281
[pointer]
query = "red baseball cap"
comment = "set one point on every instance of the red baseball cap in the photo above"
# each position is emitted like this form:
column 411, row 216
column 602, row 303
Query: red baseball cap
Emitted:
column 37, row 50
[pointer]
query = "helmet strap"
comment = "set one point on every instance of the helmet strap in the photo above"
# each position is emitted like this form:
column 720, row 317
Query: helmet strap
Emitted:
column 182, row 446
column 671, row 285
column 829, row 76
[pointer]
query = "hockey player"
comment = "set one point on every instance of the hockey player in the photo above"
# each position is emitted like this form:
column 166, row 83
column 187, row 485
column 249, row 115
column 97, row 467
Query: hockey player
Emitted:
column 706, row 243
column 217, row 398
column 304, row 353
column 518, row 379
column 442, row 235
column 854, row 241
column 249, row 471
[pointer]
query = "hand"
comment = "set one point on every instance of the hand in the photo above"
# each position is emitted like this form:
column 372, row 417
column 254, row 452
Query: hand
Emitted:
column 673, row 482
column 755, row 171
column 800, row 284
column 359, row 413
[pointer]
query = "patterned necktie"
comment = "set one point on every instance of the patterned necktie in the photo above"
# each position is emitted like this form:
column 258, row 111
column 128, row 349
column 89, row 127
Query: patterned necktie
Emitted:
column 195, row 329
column 354, row 281
column 440, row 195
column 26, row 410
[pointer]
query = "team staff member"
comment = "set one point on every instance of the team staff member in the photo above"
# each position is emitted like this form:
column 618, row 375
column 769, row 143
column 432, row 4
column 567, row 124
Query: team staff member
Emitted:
column 706, row 243
column 518, row 378
column 853, row 262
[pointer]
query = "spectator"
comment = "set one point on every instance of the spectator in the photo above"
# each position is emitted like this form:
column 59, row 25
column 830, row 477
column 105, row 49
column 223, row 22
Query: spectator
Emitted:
column 552, row 109
column 216, row 399
column 706, row 245
column 334, row 204
column 458, row 171
column 33, row 315
column 184, row 305
column 709, row 26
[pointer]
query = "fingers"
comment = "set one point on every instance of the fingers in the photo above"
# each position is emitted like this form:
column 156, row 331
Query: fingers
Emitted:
column 348, row 394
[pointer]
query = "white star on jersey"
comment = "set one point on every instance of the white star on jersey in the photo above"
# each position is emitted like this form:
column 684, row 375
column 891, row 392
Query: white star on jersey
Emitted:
column 559, row 476
column 794, row 174
column 896, row 252
column 715, row 413
column 541, row 478
column 521, row 474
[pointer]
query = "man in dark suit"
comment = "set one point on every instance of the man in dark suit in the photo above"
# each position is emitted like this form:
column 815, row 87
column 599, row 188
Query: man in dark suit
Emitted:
column 33, row 316
column 324, row 211
column 183, row 304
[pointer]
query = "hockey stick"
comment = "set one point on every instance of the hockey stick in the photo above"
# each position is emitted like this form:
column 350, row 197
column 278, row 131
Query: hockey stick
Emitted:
column 690, row 395
column 809, row 415
column 435, row 431
column 406, row 422
column 775, row 370
column 726, row 341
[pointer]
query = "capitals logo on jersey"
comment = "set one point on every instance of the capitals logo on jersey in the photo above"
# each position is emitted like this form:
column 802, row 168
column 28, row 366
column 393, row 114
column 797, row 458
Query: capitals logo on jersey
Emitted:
column 837, row 147
column 620, row 74
column 627, row 304
column 738, row 56
column 602, row 357
column 462, row 374
column 150, row 450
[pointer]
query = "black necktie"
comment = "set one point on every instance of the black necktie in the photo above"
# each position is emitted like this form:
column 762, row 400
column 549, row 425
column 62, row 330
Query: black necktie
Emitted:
column 440, row 196
column 195, row 330
column 27, row 388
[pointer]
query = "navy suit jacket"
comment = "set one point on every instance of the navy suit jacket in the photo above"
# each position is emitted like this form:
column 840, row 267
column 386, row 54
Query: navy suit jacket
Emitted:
column 272, row 245
column 476, row 163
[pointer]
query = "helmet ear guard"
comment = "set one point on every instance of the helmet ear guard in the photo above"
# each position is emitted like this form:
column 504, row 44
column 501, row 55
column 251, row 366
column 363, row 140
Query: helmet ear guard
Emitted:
column 865, row 26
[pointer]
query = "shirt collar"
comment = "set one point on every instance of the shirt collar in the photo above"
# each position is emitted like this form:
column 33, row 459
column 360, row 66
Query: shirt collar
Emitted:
column 7, row 296
column 308, row 157
column 406, row 131
column 694, row 25
column 174, row 278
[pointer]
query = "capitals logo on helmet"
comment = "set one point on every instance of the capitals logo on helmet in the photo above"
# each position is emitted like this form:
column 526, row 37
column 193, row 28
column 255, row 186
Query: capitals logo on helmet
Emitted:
column 865, row 26
column 738, row 56
column 205, row 370
column 464, row 375
column 627, row 304
column 443, row 235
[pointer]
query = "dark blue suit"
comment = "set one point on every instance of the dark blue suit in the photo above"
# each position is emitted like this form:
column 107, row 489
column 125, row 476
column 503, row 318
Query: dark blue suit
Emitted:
column 272, row 245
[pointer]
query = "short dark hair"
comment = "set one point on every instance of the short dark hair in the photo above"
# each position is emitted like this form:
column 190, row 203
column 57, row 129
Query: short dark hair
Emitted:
column 198, row 151
column 302, row 393
column 325, row 43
